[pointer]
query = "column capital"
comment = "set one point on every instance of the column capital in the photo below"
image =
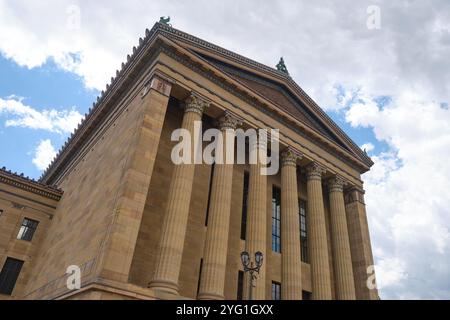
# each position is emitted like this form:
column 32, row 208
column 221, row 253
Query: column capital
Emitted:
column 289, row 157
column 314, row 171
column 196, row 104
column 336, row 184
column 229, row 121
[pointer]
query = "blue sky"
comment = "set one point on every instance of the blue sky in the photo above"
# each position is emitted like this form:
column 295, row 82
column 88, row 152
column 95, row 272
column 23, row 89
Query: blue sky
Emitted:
column 386, row 86
column 44, row 87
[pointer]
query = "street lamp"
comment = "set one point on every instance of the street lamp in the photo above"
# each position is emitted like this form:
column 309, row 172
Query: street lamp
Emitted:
column 245, row 259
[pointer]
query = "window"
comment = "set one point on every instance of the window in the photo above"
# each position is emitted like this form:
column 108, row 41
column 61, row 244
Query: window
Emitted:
column 276, row 219
column 1, row 212
column 209, row 192
column 276, row 290
column 306, row 295
column 240, row 287
column 27, row 229
column 8, row 276
column 244, row 206
column 199, row 275
column 303, row 231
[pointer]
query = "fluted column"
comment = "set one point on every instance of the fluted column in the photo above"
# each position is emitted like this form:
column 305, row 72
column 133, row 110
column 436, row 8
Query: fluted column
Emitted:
column 212, row 279
column 320, row 270
column 342, row 259
column 177, row 210
column 257, row 219
column 291, row 288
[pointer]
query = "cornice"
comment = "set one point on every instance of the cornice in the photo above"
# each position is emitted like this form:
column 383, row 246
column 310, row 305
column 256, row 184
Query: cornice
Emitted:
column 30, row 185
column 324, row 142
column 181, row 35
column 101, row 107
column 121, row 79
column 285, row 80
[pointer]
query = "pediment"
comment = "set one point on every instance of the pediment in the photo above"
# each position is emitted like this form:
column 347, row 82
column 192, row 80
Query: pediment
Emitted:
column 278, row 95
column 273, row 85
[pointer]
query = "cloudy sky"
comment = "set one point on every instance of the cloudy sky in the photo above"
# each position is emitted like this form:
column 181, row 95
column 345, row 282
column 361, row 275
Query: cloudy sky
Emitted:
column 385, row 81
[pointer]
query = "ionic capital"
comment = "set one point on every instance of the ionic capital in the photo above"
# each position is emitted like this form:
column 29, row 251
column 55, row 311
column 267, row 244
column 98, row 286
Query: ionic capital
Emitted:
column 289, row 157
column 229, row 121
column 336, row 184
column 195, row 104
column 314, row 171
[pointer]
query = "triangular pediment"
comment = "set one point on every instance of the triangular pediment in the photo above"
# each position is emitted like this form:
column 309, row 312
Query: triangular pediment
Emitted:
column 278, row 95
column 269, row 83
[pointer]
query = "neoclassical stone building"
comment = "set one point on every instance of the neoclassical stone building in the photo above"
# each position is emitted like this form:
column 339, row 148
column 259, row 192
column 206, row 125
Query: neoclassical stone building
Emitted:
column 140, row 227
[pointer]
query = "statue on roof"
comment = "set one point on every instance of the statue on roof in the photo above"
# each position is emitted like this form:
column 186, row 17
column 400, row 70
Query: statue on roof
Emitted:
column 281, row 66
column 164, row 20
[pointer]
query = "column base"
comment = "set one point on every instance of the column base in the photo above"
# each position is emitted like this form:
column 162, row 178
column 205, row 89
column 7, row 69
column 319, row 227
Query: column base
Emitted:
column 164, row 285
column 210, row 296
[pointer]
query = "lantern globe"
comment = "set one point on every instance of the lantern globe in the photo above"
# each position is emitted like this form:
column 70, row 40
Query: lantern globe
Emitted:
column 245, row 258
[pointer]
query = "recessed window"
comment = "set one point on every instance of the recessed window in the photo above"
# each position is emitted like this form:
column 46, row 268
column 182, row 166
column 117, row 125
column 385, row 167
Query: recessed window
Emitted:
column 276, row 290
column 244, row 206
column 276, row 219
column 240, row 287
column 27, row 229
column 9, row 275
column 1, row 212
column 303, row 231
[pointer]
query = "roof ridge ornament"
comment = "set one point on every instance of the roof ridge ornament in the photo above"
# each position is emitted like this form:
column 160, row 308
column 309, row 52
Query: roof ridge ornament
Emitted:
column 281, row 66
column 164, row 20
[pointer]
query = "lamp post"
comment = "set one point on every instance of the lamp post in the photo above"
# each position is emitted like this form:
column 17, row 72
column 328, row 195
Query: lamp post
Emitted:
column 248, row 267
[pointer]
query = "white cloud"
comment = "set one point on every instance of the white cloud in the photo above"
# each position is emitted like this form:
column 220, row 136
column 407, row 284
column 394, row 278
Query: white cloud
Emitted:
column 324, row 43
column 406, row 199
column 327, row 47
column 390, row 272
column 28, row 117
column 44, row 154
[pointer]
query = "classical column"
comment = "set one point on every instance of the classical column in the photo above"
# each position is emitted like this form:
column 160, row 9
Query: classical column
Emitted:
column 177, row 210
column 212, row 279
column 342, row 259
column 320, row 269
column 291, row 288
column 257, row 219
column 361, row 249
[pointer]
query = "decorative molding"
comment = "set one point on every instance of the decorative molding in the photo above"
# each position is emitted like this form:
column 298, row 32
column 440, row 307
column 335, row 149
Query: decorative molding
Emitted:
column 229, row 121
column 314, row 171
column 194, row 103
column 336, row 184
column 289, row 157
column 29, row 185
